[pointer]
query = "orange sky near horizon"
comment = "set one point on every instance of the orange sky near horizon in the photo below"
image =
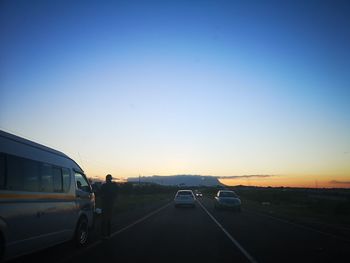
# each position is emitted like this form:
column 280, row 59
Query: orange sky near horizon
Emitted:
column 290, row 181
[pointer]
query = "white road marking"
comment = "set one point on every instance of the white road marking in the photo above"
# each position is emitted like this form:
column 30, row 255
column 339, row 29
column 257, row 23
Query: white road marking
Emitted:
column 234, row 241
column 93, row 245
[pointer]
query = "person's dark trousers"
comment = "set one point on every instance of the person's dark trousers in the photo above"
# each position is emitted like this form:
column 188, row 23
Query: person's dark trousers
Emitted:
column 106, row 222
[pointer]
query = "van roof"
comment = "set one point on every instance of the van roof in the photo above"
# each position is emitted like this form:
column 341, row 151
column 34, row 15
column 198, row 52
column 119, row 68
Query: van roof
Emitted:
column 21, row 140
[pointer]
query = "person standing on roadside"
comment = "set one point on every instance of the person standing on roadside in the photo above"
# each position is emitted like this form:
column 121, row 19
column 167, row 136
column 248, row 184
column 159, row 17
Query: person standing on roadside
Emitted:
column 109, row 191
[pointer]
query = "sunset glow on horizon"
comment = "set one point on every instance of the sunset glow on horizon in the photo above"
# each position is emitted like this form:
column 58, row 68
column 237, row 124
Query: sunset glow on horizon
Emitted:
column 221, row 88
column 289, row 181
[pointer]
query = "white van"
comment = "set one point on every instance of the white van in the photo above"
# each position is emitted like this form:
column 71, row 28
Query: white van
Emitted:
column 45, row 198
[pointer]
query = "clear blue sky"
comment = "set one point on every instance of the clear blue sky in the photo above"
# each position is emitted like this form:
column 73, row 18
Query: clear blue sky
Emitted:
column 168, row 87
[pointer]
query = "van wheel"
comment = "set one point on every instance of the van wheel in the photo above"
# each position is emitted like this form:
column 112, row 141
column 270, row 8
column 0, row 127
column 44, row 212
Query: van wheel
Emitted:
column 82, row 233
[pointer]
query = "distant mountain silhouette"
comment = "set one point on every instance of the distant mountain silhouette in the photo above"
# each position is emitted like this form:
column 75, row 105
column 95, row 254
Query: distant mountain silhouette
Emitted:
column 179, row 180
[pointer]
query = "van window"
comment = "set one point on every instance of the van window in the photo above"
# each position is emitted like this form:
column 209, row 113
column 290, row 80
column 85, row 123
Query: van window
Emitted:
column 46, row 173
column 82, row 183
column 51, row 178
column 28, row 175
column 22, row 174
column 2, row 171
column 57, row 180
column 66, row 179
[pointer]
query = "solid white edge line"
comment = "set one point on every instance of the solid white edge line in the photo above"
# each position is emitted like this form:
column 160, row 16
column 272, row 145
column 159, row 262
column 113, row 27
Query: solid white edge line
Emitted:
column 69, row 259
column 234, row 241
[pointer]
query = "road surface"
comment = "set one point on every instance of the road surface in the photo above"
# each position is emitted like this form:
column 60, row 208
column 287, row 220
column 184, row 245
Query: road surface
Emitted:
column 202, row 234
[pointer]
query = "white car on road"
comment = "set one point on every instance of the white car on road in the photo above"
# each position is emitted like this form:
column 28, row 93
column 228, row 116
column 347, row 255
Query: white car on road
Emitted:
column 184, row 198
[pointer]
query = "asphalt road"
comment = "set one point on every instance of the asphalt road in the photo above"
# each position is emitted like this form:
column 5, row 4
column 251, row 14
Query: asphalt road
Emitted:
column 202, row 234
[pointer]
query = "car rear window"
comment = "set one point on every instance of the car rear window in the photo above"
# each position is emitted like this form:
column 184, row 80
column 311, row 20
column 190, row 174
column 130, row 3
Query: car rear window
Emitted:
column 227, row 194
column 184, row 193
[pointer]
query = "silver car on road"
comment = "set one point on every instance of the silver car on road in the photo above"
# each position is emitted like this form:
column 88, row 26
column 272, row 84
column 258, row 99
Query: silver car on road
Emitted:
column 227, row 199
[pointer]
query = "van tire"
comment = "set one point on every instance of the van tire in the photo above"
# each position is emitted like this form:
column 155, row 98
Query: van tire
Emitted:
column 81, row 235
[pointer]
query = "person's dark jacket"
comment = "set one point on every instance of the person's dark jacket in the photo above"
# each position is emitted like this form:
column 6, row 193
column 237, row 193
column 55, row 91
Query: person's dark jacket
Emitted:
column 108, row 192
